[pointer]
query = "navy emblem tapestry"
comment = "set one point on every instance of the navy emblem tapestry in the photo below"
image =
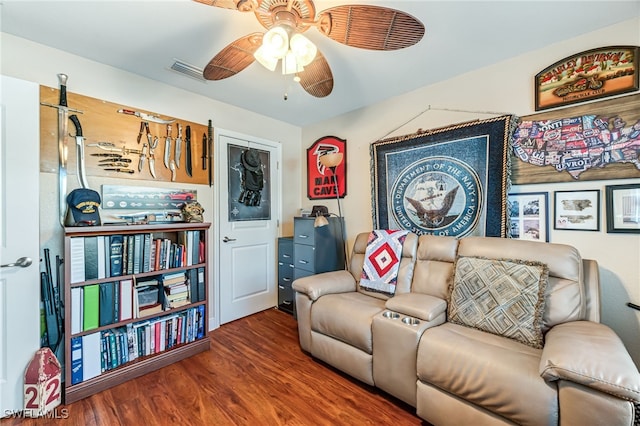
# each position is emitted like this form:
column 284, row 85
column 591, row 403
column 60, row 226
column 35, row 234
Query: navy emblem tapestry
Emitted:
column 448, row 181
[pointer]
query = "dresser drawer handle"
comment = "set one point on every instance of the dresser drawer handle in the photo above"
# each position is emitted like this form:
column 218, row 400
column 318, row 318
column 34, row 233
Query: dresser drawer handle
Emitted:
column 286, row 302
column 281, row 287
column 303, row 236
column 304, row 262
column 286, row 256
column 286, row 279
column 280, row 263
column 291, row 265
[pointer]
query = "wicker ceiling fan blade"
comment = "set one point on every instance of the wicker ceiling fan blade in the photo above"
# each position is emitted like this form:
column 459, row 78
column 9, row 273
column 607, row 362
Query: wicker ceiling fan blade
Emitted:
column 241, row 5
column 233, row 58
column 317, row 79
column 370, row 27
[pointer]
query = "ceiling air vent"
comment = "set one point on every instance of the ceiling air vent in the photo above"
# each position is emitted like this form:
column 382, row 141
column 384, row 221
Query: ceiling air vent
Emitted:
column 187, row 69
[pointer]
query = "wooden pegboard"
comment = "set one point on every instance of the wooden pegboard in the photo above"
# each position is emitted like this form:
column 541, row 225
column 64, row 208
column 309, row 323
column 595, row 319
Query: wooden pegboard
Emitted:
column 101, row 122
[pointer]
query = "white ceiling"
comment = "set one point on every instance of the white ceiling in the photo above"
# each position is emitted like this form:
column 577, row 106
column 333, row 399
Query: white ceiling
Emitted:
column 145, row 37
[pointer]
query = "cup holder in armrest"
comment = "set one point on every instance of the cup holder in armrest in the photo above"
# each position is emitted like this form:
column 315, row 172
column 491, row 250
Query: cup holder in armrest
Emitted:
column 391, row 315
column 411, row 321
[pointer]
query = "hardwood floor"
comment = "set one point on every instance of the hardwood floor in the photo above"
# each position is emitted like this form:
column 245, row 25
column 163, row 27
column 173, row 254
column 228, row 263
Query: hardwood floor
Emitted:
column 255, row 373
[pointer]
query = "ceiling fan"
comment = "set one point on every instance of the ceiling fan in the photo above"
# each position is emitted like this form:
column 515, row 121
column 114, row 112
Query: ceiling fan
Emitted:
column 363, row 26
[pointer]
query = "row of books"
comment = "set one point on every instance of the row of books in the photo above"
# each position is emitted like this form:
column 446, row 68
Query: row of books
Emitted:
column 105, row 256
column 93, row 354
column 99, row 305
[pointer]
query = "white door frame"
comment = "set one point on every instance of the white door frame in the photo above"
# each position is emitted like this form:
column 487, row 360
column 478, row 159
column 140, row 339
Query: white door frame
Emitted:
column 220, row 162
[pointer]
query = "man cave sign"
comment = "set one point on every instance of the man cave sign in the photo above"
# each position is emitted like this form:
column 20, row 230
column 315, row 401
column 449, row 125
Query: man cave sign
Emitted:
column 320, row 180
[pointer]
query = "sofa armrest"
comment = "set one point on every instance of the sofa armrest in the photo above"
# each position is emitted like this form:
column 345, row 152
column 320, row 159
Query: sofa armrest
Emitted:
column 592, row 355
column 417, row 305
column 315, row 286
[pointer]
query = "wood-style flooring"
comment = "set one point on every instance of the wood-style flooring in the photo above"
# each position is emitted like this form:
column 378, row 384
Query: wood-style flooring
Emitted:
column 254, row 374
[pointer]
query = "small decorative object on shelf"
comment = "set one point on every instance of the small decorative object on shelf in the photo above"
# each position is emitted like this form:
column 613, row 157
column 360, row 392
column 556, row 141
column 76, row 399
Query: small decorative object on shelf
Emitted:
column 192, row 211
column 135, row 301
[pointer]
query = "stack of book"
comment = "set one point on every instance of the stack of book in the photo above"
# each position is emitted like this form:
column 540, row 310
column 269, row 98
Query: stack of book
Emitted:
column 176, row 289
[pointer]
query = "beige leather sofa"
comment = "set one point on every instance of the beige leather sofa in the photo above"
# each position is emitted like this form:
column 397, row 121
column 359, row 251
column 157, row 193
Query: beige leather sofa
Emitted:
column 453, row 374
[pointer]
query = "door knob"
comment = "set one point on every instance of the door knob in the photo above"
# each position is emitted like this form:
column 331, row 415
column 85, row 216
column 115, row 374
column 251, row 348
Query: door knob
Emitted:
column 227, row 239
column 22, row 262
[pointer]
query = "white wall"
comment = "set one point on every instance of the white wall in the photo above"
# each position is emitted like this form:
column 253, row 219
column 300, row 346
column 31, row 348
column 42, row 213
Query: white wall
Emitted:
column 34, row 62
column 506, row 87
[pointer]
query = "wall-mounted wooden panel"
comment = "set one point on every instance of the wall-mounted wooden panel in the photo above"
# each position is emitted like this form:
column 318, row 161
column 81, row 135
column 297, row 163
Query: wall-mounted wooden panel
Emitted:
column 626, row 107
column 102, row 123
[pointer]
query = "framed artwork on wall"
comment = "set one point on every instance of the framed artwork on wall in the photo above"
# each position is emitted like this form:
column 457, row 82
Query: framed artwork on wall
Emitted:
column 321, row 182
column 448, row 181
column 528, row 216
column 588, row 75
column 577, row 210
column 623, row 208
column 597, row 141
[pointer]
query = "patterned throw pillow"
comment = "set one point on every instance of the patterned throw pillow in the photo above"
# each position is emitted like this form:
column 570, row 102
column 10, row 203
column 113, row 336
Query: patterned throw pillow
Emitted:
column 382, row 260
column 503, row 297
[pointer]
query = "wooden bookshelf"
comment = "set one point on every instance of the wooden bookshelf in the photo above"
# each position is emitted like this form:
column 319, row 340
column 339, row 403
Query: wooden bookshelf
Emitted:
column 140, row 364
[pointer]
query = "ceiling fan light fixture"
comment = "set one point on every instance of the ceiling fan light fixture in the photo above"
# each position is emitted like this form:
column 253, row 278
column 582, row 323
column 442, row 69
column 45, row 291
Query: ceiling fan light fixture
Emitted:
column 303, row 49
column 291, row 64
column 265, row 58
column 276, row 42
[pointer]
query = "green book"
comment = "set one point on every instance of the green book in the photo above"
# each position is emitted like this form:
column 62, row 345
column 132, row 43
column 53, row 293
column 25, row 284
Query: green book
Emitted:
column 91, row 303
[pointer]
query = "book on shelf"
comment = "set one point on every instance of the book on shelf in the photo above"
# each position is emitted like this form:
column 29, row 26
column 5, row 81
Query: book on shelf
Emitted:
column 76, row 259
column 76, row 360
column 90, row 315
column 175, row 278
column 100, row 257
column 196, row 283
column 176, row 288
column 106, row 253
column 146, row 252
column 91, row 366
column 126, row 300
column 77, row 308
column 90, row 258
column 145, row 311
column 201, row 251
column 137, row 253
column 130, row 253
column 201, row 285
column 106, row 304
column 116, row 244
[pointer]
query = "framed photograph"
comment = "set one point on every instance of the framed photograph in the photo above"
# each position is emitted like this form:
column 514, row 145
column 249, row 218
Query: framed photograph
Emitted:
column 528, row 216
column 577, row 210
column 623, row 208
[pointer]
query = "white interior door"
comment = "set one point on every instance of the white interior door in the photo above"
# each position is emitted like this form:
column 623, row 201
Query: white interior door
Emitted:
column 19, row 215
column 246, row 234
